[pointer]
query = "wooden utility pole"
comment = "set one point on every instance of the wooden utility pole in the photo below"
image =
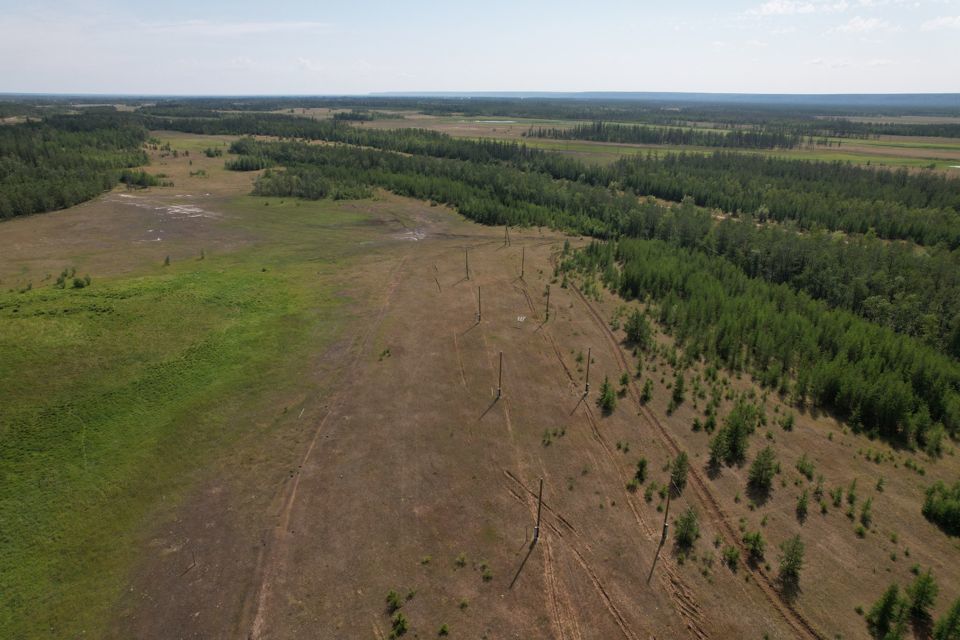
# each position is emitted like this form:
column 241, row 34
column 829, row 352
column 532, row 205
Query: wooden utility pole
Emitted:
column 666, row 514
column 586, row 390
column 548, row 303
column 466, row 261
column 536, row 528
column 479, row 306
column 523, row 256
column 500, row 377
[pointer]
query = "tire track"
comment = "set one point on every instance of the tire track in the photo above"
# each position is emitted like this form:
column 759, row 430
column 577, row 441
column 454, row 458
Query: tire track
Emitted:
column 564, row 613
column 456, row 346
column 557, row 597
column 789, row 613
column 686, row 605
column 607, row 601
column 271, row 552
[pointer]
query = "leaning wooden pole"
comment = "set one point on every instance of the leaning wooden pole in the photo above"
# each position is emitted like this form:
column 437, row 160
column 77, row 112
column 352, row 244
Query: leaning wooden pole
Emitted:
column 536, row 528
column 666, row 514
column 500, row 377
column 586, row 389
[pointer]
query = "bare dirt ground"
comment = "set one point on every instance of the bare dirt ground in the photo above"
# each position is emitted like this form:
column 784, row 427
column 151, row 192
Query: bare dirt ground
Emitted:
column 394, row 466
column 411, row 461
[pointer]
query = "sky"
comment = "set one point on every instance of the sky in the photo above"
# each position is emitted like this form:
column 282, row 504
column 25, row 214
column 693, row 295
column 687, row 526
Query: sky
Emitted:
column 233, row 47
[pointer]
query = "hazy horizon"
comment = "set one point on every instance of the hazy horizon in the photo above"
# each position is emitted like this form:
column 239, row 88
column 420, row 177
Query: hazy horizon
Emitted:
column 803, row 47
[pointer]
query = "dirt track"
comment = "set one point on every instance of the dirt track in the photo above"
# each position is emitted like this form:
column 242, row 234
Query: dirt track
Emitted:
column 411, row 460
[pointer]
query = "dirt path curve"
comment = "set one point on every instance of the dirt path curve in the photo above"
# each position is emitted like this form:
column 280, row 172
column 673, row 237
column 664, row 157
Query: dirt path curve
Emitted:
column 791, row 615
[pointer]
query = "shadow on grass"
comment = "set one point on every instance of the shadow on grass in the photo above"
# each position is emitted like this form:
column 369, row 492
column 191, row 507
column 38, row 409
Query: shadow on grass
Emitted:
column 759, row 495
column 922, row 627
column 523, row 564
column 487, row 410
column 789, row 587
column 713, row 469
column 579, row 402
column 655, row 558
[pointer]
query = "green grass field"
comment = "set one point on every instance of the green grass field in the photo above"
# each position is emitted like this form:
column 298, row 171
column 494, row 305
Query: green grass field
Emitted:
column 113, row 393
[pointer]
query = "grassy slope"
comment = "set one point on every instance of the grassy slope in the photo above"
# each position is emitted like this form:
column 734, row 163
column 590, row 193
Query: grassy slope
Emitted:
column 115, row 394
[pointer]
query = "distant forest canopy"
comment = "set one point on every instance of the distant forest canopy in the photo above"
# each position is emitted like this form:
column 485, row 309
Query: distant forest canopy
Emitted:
column 752, row 138
column 891, row 284
column 65, row 160
column 833, row 116
column 801, row 117
column 898, row 205
column 363, row 115
column 888, row 383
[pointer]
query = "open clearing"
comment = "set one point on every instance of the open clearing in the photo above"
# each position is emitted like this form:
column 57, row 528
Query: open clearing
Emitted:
column 322, row 427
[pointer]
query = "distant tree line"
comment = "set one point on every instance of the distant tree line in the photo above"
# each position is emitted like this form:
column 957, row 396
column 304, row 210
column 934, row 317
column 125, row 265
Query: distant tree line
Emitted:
column 362, row 115
column 922, row 207
column 310, row 184
column 805, row 119
column 750, row 138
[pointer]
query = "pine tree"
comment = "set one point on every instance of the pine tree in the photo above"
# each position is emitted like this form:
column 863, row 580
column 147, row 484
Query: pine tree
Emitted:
column 922, row 592
column 687, row 528
column 678, row 471
column 638, row 330
column 887, row 617
column 791, row 560
column 948, row 627
column 763, row 469
column 608, row 397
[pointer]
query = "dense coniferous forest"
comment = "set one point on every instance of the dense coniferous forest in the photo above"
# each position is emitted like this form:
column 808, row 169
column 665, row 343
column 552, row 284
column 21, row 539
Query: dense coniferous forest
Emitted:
column 874, row 378
column 924, row 208
column 65, row 160
column 754, row 138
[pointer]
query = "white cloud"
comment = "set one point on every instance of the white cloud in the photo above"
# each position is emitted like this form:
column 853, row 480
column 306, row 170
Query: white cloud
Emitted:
column 204, row 28
column 783, row 8
column 798, row 7
column 858, row 24
column 832, row 64
column 944, row 22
